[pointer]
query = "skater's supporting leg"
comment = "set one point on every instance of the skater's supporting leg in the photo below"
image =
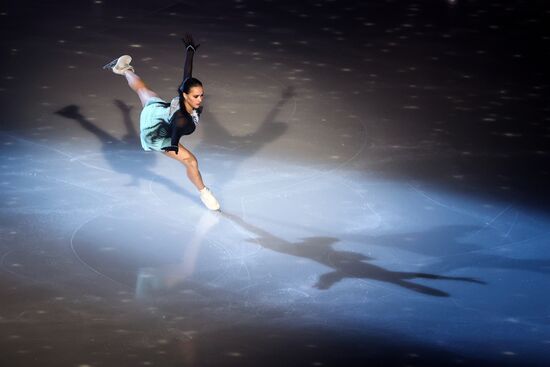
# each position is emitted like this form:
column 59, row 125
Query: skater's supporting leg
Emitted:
column 191, row 165
column 138, row 85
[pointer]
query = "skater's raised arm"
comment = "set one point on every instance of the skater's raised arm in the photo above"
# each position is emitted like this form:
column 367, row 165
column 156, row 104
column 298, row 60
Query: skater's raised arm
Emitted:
column 190, row 48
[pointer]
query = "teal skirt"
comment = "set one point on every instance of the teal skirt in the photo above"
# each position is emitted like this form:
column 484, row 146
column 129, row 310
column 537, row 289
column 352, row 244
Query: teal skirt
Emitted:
column 154, row 127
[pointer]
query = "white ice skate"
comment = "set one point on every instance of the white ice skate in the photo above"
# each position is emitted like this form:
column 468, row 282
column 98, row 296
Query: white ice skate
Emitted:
column 209, row 200
column 120, row 65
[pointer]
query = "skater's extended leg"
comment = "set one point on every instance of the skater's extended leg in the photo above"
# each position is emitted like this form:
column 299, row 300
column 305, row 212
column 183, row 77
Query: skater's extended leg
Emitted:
column 138, row 85
column 121, row 66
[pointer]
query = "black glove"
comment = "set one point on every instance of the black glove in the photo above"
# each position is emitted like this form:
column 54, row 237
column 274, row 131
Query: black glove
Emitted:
column 189, row 42
column 171, row 148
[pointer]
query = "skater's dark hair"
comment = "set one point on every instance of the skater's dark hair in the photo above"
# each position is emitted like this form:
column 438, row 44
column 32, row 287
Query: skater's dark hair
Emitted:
column 189, row 83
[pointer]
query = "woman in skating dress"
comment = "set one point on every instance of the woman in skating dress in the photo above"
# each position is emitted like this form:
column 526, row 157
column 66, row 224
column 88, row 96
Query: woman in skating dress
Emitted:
column 162, row 124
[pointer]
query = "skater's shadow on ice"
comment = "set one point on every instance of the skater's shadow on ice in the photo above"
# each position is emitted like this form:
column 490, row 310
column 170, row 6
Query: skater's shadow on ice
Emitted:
column 122, row 153
column 443, row 244
column 345, row 264
column 218, row 140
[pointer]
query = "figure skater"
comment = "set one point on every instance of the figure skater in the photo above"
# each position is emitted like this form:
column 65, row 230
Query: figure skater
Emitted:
column 162, row 124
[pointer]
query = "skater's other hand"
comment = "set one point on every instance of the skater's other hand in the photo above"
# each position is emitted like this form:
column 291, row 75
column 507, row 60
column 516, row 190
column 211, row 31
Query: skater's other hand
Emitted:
column 171, row 148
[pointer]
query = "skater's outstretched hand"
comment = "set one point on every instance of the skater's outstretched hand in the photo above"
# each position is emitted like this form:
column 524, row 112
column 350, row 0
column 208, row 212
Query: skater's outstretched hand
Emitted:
column 171, row 148
column 189, row 42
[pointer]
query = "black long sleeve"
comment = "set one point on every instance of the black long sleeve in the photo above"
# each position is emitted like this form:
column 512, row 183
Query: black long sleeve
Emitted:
column 180, row 124
column 176, row 135
column 188, row 67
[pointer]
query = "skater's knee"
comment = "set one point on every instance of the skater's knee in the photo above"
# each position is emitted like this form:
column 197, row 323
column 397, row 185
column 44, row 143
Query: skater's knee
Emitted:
column 191, row 162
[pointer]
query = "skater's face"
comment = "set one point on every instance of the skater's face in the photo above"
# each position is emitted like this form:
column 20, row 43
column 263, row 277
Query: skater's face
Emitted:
column 194, row 97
